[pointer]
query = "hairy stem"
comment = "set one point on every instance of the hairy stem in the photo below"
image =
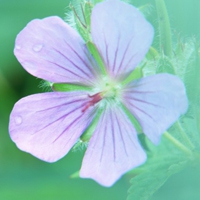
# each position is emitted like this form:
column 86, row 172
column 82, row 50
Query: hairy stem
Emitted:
column 164, row 28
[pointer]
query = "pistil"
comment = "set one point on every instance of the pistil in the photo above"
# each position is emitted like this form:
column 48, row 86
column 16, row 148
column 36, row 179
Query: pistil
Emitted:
column 94, row 99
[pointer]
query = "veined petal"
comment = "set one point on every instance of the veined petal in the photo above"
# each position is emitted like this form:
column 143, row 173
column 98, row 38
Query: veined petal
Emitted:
column 122, row 35
column 113, row 149
column 50, row 49
column 157, row 102
column 48, row 125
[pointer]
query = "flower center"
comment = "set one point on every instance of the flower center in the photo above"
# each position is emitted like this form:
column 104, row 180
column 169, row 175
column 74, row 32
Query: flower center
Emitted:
column 94, row 99
column 109, row 91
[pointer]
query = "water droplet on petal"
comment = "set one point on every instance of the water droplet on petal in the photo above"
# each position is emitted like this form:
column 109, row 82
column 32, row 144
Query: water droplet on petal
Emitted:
column 37, row 47
column 18, row 120
column 18, row 47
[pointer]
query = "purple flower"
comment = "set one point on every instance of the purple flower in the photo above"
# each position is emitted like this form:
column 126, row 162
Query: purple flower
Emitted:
column 48, row 125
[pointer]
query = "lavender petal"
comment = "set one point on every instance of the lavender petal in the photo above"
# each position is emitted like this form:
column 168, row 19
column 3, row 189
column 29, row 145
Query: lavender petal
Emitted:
column 113, row 149
column 157, row 102
column 48, row 125
column 122, row 35
column 50, row 49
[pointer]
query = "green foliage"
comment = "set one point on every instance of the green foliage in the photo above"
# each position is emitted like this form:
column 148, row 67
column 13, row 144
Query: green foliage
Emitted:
column 146, row 9
column 164, row 28
column 163, row 161
column 165, row 65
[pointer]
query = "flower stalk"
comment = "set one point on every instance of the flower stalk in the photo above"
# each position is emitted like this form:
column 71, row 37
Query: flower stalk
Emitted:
column 164, row 28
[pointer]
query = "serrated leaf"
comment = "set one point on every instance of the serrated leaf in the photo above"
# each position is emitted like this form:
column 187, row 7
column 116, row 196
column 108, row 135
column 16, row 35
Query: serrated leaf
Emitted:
column 164, row 161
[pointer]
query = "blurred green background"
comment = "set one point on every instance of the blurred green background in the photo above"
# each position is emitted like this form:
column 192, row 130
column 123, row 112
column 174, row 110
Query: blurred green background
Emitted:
column 24, row 177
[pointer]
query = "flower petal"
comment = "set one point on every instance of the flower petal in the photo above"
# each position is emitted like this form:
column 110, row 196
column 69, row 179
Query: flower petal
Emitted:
column 113, row 149
column 50, row 49
column 48, row 125
column 122, row 35
column 157, row 102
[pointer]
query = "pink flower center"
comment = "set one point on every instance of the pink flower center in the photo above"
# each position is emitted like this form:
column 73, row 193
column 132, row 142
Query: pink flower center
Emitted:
column 94, row 99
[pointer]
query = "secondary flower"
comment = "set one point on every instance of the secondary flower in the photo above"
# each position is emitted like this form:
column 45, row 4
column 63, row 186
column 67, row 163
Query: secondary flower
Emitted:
column 48, row 125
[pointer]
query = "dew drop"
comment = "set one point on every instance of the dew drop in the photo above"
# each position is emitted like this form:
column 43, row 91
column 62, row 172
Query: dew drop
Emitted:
column 18, row 47
column 37, row 47
column 18, row 120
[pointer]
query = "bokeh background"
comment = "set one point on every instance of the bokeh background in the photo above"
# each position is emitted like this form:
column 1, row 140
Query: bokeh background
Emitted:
column 23, row 177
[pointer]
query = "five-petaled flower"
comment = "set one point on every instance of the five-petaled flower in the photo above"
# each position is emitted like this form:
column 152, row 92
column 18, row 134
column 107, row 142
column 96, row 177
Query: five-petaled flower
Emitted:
column 48, row 125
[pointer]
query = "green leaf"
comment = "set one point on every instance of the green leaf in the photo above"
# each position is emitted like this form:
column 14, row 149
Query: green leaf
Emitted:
column 163, row 161
column 191, row 79
column 191, row 126
column 183, row 57
column 66, row 87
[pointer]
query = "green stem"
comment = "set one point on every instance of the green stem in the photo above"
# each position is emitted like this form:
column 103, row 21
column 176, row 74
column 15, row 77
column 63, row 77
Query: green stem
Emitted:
column 164, row 28
column 184, row 135
column 178, row 144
